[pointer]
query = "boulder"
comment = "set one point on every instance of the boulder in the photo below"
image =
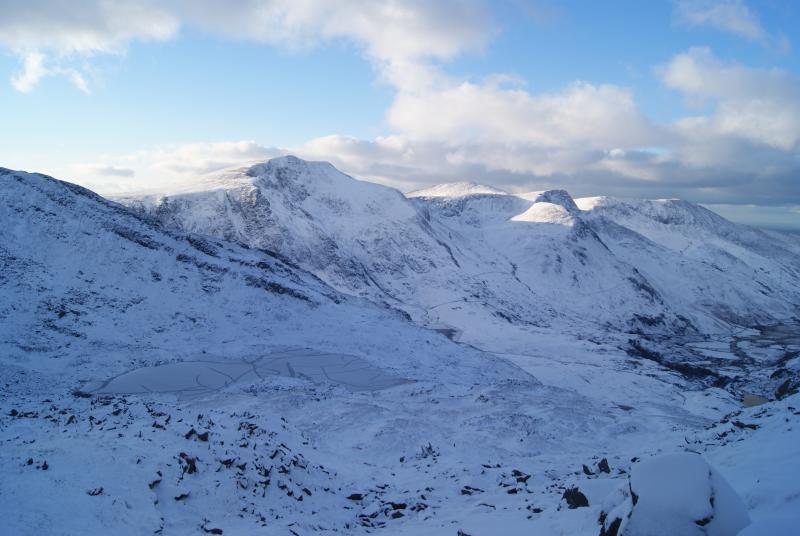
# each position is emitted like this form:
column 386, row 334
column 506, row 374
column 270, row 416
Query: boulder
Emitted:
column 675, row 494
column 575, row 499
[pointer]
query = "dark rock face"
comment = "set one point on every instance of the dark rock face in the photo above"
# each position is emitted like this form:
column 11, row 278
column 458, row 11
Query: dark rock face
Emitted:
column 603, row 466
column 613, row 528
column 787, row 388
column 575, row 499
column 469, row 490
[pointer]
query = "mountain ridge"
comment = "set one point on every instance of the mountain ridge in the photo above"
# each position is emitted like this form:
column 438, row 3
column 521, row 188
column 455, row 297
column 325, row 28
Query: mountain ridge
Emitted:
column 432, row 239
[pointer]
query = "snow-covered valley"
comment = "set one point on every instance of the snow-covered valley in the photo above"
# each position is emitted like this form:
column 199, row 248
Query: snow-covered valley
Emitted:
column 283, row 349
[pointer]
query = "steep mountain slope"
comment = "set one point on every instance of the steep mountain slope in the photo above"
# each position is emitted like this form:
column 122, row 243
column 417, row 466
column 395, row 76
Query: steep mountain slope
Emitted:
column 89, row 291
column 358, row 236
column 461, row 255
column 476, row 258
column 560, row 272
column 125, row 291
column 702, row 261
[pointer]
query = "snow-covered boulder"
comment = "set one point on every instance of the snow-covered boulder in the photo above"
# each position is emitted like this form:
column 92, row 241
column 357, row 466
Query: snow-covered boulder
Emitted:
column 675, row 494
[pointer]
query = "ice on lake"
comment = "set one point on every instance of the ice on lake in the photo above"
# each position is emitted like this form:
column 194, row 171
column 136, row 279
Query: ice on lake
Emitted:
column 195, row 378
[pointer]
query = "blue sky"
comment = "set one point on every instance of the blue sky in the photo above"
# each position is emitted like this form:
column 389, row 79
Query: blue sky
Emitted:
column 202, row 88
column 693, row 99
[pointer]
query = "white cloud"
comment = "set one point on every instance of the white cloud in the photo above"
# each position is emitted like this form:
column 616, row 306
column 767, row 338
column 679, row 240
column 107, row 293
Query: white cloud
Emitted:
column 731, row 16
column 88, row 27
column 593, row 139
column 448, row 129
column 400, row 36
column 761, row 106
column 582, row 113
column 49, row 35
column 104, row 170
column 33, row 70
column 202, row 158
column 389, row 30
column 162, row 168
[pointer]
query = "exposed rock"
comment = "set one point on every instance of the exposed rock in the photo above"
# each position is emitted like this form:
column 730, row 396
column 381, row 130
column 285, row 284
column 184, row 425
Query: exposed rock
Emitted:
column 575, row 499
column 603, row 466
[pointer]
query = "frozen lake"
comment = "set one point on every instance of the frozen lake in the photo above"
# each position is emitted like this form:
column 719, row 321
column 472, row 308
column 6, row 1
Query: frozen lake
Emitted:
column 195, row 378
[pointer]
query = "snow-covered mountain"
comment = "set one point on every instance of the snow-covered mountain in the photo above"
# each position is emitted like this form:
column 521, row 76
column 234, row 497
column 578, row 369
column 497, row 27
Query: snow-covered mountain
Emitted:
column 89, row 291
column 460, row 252
column 701, row 260
column 456, row 189
column 289, row 350
column 360, row 237
column 93, row 271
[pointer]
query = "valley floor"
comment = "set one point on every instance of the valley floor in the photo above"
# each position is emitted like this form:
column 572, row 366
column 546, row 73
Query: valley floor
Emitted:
column 296, row 454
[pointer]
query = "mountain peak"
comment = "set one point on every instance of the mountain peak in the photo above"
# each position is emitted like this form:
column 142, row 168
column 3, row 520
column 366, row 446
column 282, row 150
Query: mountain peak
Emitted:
column 291, row 162
column 456, row 189
column 662, row 211
column 556, row 197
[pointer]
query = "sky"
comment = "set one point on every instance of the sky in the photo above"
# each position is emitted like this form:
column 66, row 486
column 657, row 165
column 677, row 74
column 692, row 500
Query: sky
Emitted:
column 697, row 99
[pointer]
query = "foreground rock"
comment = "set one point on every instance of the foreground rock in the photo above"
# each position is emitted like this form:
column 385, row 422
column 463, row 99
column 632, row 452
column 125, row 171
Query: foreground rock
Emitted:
column 676, row 494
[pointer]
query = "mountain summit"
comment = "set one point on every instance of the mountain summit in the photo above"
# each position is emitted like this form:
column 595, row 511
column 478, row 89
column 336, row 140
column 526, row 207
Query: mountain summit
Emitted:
column 456, row 189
